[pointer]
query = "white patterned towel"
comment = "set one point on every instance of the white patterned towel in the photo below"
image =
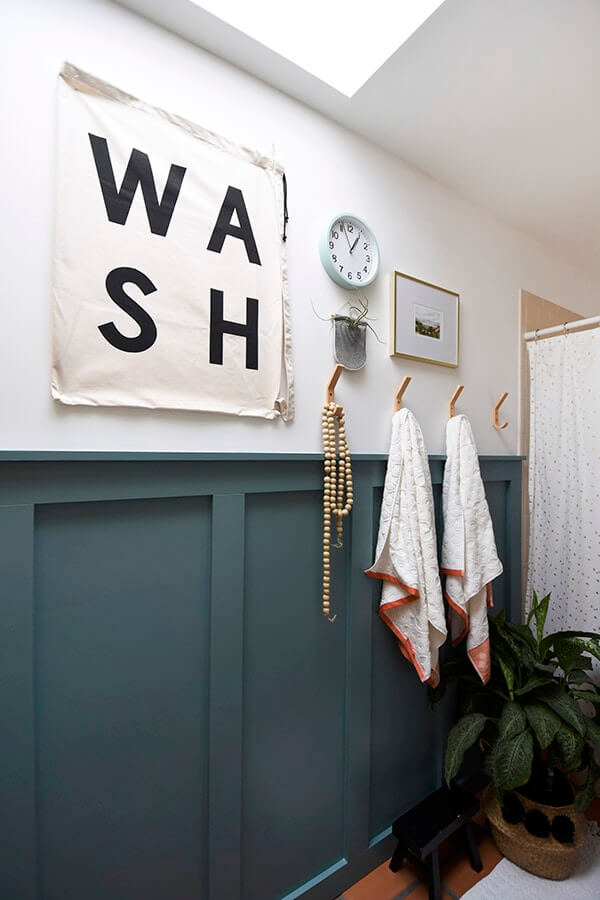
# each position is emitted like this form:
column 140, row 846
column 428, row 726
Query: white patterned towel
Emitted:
column 406, row 556
column 469, row 557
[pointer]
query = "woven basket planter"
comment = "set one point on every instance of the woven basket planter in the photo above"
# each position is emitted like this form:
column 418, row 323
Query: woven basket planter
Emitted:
column 543, row 856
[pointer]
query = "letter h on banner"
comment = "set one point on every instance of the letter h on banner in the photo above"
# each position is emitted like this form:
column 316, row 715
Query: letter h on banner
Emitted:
column 220, row 326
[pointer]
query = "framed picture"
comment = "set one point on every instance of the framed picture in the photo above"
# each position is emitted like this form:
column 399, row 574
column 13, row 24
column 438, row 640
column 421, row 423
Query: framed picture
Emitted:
column 424, row 321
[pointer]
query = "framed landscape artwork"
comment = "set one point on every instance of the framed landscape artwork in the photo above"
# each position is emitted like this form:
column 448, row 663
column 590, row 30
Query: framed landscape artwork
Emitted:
column 424, row 321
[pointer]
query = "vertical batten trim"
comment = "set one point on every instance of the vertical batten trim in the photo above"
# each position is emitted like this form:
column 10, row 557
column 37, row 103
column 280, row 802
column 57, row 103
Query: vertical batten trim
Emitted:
column 513, row 515
column 226, row 697
column 18, row 829
column 358, row 668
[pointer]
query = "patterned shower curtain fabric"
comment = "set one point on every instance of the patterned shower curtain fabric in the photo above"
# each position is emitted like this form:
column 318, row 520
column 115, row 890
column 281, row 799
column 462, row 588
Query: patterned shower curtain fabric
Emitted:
column 564, row 482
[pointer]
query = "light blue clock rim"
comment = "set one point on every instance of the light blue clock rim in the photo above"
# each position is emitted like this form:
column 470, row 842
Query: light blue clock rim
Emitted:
column 330, row 267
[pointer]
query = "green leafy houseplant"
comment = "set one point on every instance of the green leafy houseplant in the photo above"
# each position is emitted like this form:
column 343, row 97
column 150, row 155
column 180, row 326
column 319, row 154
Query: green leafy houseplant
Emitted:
column 528, row 719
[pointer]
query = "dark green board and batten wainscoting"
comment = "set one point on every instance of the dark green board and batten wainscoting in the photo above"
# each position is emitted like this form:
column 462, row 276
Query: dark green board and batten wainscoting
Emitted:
column 179, row 722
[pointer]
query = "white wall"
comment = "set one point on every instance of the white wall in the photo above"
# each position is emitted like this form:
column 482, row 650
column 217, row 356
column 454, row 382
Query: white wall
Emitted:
column 423, row 229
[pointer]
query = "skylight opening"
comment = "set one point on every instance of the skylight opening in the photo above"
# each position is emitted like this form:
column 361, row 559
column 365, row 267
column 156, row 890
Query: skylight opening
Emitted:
column 341, row 43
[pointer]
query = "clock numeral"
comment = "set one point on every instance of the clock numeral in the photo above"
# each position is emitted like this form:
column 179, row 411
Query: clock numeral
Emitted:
column 334, row 257
column 365, row 246
column 368, row 259
column 365, row 269
column 359, row 276
column 350, row 228
column 341, row 268
column 331, row 245
column 349, row 276
column 334, row 235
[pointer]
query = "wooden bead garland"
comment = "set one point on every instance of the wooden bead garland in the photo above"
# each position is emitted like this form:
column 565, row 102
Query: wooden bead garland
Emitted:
column 337, row 483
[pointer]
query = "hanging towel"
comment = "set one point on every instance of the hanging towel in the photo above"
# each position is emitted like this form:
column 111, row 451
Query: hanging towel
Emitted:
column 406, row 557
column 469, row 557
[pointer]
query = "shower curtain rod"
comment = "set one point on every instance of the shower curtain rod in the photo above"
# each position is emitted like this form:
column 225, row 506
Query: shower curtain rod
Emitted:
column 559, row 329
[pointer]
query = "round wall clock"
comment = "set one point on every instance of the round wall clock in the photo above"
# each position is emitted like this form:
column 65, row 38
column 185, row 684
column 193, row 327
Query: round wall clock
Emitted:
column 349, row 252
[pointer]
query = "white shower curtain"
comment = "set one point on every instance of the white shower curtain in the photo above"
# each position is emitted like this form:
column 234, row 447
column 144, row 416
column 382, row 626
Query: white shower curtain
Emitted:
column 564, row 478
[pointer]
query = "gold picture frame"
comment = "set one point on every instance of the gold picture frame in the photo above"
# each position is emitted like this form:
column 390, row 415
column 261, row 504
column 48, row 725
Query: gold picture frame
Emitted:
column 424, row 321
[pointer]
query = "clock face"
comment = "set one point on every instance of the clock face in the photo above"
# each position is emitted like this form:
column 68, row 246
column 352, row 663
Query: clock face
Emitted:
column 349, row 252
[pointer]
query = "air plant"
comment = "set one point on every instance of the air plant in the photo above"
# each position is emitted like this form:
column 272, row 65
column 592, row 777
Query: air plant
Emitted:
column 357, row 315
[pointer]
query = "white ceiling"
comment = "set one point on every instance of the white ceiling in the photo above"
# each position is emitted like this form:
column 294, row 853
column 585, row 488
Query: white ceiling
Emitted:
column 499, row 99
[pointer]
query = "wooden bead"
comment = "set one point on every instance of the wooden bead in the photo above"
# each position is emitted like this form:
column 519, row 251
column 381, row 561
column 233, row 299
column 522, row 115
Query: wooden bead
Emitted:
column 337, row 486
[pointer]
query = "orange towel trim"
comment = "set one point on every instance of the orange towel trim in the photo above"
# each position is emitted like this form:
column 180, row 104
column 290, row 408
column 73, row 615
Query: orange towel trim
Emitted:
column 459, row 611
column 480, row 657
column 452, row 572
column 383, row 576
column 407, row 649
column 402, row 601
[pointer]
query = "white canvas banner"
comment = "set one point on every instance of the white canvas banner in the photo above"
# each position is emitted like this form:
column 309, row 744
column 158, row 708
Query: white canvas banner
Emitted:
column 170, row 278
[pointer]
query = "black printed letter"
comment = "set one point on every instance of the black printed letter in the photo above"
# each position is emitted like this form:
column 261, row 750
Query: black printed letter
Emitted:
column 138, row 171
column 114, row 285
column 234, row 200
column 220, row 326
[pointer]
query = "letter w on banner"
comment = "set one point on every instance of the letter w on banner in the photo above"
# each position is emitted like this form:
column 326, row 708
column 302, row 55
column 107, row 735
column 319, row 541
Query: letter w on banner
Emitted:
column 170, row 285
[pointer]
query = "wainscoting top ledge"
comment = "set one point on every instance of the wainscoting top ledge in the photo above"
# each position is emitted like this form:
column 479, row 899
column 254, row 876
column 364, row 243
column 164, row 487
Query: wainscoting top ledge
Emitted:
column 141, row 456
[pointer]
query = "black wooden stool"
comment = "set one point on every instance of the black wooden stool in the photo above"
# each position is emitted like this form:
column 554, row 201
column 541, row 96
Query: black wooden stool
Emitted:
column 421, row 830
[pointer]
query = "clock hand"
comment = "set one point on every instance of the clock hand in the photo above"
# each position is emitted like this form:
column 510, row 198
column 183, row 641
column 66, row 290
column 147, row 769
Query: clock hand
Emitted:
column 346, row 233
column 355, row 243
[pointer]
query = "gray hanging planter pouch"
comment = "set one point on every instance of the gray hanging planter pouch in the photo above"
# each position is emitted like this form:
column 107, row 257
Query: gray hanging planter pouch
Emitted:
column 349, row 342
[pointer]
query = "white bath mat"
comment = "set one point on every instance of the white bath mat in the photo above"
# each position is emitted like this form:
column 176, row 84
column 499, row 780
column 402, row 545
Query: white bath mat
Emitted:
column 508, row 880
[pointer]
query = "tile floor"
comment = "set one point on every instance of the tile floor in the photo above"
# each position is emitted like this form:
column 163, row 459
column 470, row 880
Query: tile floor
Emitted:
column 457, row 874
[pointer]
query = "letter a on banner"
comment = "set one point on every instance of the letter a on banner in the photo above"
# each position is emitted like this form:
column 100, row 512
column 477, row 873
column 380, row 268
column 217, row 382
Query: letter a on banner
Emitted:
column 170, row 286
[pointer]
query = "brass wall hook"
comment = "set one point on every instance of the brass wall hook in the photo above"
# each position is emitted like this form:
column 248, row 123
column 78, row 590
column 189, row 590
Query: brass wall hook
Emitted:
column 454, row 398
column 330, row 390
column 400, row 393
column 497, row 406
